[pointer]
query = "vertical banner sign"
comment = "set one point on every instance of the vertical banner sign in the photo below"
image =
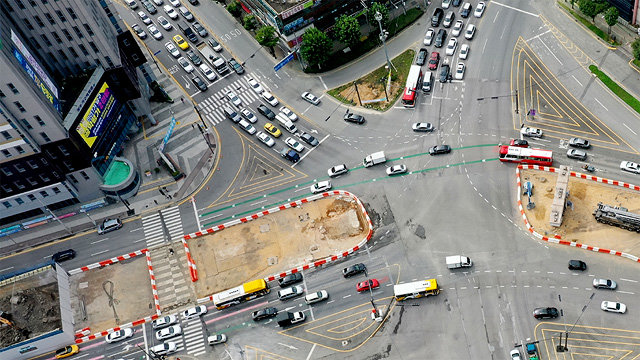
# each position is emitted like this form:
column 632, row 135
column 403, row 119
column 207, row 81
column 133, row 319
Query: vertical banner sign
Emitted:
column 168, row 135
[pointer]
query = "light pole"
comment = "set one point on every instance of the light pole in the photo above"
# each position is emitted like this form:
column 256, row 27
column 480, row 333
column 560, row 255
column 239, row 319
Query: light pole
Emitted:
column 383, row 37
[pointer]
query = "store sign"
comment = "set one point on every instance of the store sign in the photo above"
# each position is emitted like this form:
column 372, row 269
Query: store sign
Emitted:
column 37, row 80
column 34, row 63
column 94, row 119
column 296, row 9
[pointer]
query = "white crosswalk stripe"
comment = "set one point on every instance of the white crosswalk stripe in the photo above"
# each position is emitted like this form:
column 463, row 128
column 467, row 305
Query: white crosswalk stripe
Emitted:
column 212, row 105
column 152, row 227
column 173, row 222
column 194, row 337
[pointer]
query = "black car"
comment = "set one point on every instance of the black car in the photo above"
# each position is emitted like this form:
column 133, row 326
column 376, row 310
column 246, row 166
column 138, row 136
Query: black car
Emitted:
column 444, row 73
column 456, row 3
column 264, row 110
column 197, row 27
column 199, row 83
column 354, row 118
column 353, row 270
column 290, row 279
column 309, row 139
column 579, row 143
column 195, row 59
column 439, row 149
column 193, row 2
column 64, row 255
column 422, row 56
column 577, row 265
column 545, row 313
column 437, row 17
column 440, row 38
column 235, row 66
column 264, row 313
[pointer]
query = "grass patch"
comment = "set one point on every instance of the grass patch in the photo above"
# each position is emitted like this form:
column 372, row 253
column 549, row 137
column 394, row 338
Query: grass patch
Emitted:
column 617, row 89
column 636, row 62
column 596, row 30
column 340, row 58
column 375, row 81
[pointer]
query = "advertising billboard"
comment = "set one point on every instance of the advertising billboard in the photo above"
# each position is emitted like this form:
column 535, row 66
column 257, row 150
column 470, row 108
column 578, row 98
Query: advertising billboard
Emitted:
column 37, row 80
column 94, row 120
column 34, row 64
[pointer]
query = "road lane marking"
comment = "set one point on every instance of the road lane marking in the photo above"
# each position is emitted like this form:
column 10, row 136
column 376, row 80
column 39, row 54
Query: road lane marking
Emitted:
column 9, row 268
column 99, row 241
column 600, row 103
column 309, row 152
column 495, row 18
column 100, row 252
column 554, row 55
column 579, row 83
column 635, row 281
column 625, row 125
column 516, row 9
column 626, row 292
column 323, row 84
column 537, row 36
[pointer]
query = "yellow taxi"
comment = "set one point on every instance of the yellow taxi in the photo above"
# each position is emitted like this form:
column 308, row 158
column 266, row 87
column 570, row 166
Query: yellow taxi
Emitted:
column 67, row 351
column 272, row 130
column 182, row 43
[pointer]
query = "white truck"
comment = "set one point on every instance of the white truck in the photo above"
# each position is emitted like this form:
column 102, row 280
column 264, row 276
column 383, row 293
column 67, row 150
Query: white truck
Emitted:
column 217, row 62
column 374, row 159
column 287, row 318
column 458, row 261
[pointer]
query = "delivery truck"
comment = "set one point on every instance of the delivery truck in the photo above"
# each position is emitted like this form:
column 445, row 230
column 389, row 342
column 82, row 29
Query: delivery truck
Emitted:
column 218, row 63
column 288, row 318
column 458, row 261
column 374, row 159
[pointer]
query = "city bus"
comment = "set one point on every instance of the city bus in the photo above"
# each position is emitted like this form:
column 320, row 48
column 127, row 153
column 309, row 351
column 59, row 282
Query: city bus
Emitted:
column 522, row 155
column 416, row 289
column 244, row 292
column 414, row 80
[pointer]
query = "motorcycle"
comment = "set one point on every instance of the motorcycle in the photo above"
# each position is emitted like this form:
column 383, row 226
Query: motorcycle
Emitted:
column 589, row 168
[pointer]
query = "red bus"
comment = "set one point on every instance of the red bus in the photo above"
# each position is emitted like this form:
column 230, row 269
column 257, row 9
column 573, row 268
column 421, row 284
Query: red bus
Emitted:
column 522, row 155
column 413, row 84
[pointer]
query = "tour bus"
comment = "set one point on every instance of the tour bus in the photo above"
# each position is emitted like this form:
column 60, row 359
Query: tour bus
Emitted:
column 244, row 292
column 522, row 155
column 416, row 289
column 414, row 82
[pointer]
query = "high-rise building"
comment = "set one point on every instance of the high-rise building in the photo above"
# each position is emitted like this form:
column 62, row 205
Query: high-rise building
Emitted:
column 72, row 85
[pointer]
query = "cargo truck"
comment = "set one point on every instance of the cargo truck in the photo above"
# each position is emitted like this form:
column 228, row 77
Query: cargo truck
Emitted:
column 458, row 261
column 287, row 318
column 374, row 159
column 218, row 63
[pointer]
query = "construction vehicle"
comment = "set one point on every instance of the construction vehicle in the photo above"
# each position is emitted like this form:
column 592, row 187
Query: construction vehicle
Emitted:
column 617, row 216
column 4, row 319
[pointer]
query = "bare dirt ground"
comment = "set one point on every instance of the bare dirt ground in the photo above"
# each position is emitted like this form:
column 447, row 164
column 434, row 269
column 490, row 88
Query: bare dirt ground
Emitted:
column 578, row 224
column 276, row 243
column 32, row 304
column 131, row 291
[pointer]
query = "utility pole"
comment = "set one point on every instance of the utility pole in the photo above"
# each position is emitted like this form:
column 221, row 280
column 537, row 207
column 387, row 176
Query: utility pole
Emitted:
column 357, row 92
column 199, row 115
column 383, row 38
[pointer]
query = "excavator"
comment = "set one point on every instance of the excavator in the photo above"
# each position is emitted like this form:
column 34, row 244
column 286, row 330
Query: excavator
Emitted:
column 4, row 319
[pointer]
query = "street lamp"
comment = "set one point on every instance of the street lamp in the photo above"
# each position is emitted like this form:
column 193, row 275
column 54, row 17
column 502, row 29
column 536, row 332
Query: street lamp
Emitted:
column 383, row 38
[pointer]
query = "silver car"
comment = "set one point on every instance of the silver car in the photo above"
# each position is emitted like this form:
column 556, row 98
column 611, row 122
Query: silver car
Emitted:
column 576, row 154
column 604, row 284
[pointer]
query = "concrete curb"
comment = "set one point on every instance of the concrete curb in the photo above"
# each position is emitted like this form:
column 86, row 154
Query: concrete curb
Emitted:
column 557, row 239
column 286, row 206
column 108, row 262
column 154, row 288
column 109, row 331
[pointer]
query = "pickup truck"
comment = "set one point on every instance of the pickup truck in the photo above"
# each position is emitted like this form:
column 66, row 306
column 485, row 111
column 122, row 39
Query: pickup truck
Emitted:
column 287, row 318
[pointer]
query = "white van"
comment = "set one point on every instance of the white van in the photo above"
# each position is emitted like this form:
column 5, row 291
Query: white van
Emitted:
column 427, row 82
column 286, row 123
column 132, row 4
column 316, row 297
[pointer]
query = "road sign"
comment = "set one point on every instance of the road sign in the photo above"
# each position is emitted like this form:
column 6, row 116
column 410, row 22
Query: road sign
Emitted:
column 283, row 62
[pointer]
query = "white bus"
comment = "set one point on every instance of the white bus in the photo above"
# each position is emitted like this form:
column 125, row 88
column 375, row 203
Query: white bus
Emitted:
column 416, row 289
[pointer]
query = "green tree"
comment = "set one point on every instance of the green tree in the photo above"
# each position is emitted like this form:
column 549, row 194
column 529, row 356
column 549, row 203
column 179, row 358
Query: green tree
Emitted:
column 601, row 6
column 588, row 7
column 371, row 15
column 234, row 8
column 249, row 22
column 636, row 49
column 611, row 17
column 266, row 36
column 348, row 30
column 316, row 47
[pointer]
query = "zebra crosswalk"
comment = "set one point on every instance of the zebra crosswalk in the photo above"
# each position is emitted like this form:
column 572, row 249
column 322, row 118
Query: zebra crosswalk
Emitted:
column 211, row 107
column 173, row 222
column 154, row 226
column 194, row 337
column 153, row 231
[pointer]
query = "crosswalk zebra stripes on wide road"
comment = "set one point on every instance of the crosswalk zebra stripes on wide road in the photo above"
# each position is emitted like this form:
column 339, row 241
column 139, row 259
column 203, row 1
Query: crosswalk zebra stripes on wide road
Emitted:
column 212, row 106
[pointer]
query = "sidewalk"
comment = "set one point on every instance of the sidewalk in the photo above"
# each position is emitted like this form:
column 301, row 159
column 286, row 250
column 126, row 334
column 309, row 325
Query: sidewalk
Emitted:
column 186, row 146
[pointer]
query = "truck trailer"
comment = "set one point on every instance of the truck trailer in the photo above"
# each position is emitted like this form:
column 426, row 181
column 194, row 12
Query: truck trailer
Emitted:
column 212, row 57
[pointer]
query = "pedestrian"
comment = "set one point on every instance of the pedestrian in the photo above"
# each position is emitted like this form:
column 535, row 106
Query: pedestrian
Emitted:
column 155, row 201
column 182, row 99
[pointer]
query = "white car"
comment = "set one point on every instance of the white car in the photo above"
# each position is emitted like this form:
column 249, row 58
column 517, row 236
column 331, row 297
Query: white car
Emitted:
column 396, row 169
column 266, row 139
column 452, row 46
column 169, row 332
column 515, row 355
column 164, row 321
column 171, row 12
column 145, row 19
column 119, row 335
column 186, row 65
column 630, row 167
column 292, row 143
column 479, row 9
column 138, row 30
column 255, row 85
column 164, row 23
column 288, row 113
column 246, row 126
column 316, row 297
column 337, row 170
column 422, row 127
column 248, row 115
column 208, row 73
column 164, row 349
column 446, row 4
column 172, row 49
column 235, row 100
column 613, row 306
column 307, row 96
column 320, row 186
column 531, row 132
column 457, row 28
column 153, row 30
column 460, row 71
column 270, row 98
column 175, row 3
column 464, row 52
column 471, row 30
column 216, row 339
column 428, row 37
column 158, row 2
column 194, row 312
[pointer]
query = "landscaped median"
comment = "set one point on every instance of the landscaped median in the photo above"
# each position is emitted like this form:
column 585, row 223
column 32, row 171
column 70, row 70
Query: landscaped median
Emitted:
column 596, row 30
column 617, row 89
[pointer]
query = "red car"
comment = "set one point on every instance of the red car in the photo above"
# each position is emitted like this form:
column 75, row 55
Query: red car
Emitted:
column 519, row 143
column 434, row 60
column 365, row 285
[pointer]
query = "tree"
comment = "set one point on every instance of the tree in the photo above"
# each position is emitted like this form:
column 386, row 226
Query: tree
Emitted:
column 316, row 47
column 588, row 7
column 266, row 36
column 377, row 7
column 234, row 8
column 611, row 17
column 601, row 6
column 249, row 22
column 348, row 30
column 636, row 49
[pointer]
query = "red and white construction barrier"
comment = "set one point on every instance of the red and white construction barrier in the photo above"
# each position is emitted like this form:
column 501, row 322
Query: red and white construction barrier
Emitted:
column 290, row 205
column 109, row 331
column 107, row 262
column 154, row 288
column 557, row 239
